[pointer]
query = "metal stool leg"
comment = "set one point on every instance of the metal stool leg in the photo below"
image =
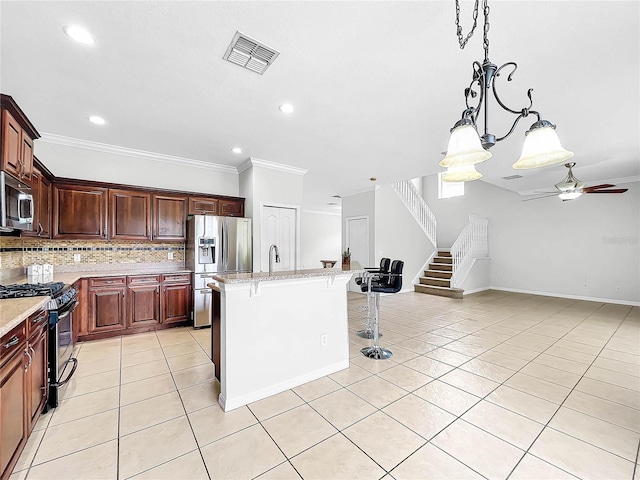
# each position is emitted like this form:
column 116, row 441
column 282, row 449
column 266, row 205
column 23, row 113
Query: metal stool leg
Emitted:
column 367, row 332
column 376, row 352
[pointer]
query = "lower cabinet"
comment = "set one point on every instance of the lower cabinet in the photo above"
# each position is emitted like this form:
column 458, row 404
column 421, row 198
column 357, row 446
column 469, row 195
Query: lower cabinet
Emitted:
column 134, row 303
column 23, row 386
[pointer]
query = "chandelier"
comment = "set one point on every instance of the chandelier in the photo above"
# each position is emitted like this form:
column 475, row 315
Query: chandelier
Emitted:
column 466, row 146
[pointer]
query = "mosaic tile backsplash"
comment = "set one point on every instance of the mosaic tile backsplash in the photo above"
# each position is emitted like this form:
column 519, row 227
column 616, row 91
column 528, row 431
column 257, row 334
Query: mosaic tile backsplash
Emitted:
column 22, row 252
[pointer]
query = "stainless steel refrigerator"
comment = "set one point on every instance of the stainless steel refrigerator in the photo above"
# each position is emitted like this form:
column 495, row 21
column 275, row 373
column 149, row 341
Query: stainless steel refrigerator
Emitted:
column 215, row 245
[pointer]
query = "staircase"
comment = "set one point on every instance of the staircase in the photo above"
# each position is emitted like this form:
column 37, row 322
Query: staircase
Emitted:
column 437, row 280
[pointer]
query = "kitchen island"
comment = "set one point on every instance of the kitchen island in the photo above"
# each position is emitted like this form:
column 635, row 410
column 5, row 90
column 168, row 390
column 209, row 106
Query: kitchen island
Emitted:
column 275, row 332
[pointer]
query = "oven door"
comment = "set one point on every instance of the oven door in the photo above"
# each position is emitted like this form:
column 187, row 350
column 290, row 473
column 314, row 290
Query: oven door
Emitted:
column 64, row 344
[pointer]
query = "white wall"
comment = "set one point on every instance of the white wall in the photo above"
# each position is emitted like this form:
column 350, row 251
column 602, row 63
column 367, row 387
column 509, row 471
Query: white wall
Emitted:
column 80, row 163
column 399, row 237
column 261, row 185
column 321, row 236
column 359, row 205
column 583, row 248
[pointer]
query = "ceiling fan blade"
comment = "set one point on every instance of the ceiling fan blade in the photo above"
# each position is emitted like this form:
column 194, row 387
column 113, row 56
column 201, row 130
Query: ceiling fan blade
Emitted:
column 615, row 190
column 538, row 198
column 598, row 187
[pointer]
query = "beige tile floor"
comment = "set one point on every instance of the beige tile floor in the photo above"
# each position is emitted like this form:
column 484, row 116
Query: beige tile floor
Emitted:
column 497, row 385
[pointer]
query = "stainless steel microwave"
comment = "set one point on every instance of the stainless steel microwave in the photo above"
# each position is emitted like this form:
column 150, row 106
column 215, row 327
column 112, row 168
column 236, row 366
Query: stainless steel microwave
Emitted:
column 16, row 204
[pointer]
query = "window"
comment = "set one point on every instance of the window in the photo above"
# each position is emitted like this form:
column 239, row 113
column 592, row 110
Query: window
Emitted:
column 449, row 189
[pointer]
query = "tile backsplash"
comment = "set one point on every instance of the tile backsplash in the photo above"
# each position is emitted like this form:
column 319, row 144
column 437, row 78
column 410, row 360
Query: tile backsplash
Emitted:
column 22, row 252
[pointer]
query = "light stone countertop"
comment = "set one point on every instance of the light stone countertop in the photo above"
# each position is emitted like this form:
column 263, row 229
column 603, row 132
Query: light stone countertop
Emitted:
column 286, row 275
column 16, row 310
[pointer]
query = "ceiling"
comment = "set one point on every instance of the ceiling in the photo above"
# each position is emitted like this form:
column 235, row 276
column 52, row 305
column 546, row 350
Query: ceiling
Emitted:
column 376, row 85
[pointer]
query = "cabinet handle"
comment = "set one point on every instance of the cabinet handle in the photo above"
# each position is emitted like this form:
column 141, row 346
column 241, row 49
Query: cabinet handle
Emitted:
column 12, row 342
column 122, row 293
column 26, row 367
column 104, row 232
column 40, row 229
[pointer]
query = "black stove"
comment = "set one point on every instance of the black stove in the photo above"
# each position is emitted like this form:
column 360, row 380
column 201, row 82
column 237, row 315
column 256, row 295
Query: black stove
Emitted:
column 19, row 290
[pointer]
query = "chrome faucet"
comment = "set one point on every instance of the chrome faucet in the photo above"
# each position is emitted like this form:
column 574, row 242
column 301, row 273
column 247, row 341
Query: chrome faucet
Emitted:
column 271, row 248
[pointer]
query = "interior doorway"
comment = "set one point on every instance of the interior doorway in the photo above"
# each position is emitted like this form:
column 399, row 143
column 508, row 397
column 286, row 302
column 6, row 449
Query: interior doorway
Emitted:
column 357, row 239
column 279, row 227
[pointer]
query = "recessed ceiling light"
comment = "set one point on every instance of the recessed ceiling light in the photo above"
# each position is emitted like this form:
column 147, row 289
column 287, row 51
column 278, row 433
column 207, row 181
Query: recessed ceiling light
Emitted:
column 97, row 120
column 286, row 108
column 236, row 150
column 79, row 34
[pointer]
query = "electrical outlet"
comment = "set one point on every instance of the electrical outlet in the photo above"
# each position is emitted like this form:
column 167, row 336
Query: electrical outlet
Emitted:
column 170, row 255
column 323, row 340
column 0, row 262
column 76, row 257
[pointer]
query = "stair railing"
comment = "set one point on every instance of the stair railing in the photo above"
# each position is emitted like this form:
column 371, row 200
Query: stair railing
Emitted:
column 419, row 209
column 472, row 243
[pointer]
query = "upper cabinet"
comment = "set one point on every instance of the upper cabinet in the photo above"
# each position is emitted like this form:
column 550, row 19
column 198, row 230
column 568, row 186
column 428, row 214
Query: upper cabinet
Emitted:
column 79, row 212
column 18, row 135
column 129, row 215
column 232, row 207
column 203, row 206
column 169, row 218
column 41, row 191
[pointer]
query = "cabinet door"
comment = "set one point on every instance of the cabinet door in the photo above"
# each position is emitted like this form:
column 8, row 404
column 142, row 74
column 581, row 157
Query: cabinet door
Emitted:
column 37, row 380
column 13, row 410
column 176, row 303
column 107, row 309
column 232, row 208
column 26, row 157
column 203, row 206
column 169, row 218
column 44, row 208
column 144, row 305
column 130, row 215
column 79, row 212
column 11, row 144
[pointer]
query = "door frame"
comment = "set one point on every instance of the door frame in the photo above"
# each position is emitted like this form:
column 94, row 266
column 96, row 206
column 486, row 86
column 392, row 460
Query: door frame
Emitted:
column 298, row 220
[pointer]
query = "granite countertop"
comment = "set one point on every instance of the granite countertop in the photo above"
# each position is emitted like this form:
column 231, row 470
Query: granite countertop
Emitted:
column 287, row 275
column 16, row 310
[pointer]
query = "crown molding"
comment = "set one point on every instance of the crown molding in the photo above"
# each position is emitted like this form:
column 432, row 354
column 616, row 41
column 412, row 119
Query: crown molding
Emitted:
column 256, row 162
column 130, row 152
column 370, row 188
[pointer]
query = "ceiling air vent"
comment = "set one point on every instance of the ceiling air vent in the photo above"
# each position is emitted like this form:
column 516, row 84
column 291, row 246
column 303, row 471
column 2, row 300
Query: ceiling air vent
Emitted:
column 512, row 177
column 250, row 54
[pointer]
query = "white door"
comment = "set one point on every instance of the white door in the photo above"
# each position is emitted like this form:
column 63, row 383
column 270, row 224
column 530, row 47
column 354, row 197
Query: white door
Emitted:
column 279, row 228
column 357, row 238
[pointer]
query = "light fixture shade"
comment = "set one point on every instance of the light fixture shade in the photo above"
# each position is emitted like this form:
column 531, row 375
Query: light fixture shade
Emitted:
column 464, row 173
column 464, row 148
column 570, row 195
column 541, row 147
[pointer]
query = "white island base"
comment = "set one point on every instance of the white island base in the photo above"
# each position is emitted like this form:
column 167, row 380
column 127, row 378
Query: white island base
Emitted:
column 270, row 334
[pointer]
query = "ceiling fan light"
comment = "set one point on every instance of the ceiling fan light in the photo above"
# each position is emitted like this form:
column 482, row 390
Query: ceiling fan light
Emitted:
column 541, row 147
column 463, row 173
column 570, row 195
column 464, row 147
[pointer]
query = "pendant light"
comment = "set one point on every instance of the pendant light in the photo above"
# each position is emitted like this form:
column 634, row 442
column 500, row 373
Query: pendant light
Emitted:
column 466, row 146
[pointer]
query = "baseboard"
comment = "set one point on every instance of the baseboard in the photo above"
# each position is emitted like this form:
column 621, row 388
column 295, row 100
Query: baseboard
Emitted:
column 573, row 297
column 475, row 290
column 241, row 400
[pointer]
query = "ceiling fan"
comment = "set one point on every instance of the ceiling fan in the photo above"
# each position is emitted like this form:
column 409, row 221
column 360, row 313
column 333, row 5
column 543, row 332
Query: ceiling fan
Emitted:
column 571, row 188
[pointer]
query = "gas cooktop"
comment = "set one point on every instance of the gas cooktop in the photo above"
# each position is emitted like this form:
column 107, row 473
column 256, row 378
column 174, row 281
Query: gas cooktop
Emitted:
column 20, row 290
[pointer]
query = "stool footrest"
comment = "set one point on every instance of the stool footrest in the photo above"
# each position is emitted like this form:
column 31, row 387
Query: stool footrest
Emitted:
column 367, row 333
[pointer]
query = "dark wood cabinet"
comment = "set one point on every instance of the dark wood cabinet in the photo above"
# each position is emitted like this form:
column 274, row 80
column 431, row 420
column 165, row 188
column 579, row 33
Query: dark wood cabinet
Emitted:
column 107, row 304
column 144, row 300
column 232, row 208
column 18, row 135
column 23, row 385
column 129, row 215
column 169, row 218
column 79, row 212
column 41, row 191
column 176, row 302
column 203, row 206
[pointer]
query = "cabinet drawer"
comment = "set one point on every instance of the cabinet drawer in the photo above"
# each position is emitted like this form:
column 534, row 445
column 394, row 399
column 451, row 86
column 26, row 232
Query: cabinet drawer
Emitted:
column 143, row 280
column 12, row 342
column 35, row 321
column 177, row 278
column 107, row 282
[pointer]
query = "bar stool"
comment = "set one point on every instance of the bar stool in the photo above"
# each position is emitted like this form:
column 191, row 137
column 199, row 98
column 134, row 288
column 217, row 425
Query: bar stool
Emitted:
column 389, row 283
column 365, row 282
